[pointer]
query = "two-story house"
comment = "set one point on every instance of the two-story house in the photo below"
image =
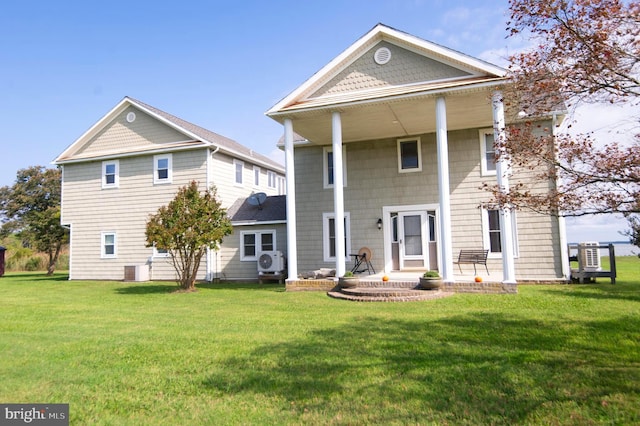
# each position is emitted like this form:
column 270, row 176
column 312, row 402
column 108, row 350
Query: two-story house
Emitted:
column 131, row 162
column 387, row 147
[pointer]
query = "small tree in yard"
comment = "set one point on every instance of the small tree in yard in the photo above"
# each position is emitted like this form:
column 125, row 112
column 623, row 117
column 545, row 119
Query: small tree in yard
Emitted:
column 586, row 51
column 190, row 224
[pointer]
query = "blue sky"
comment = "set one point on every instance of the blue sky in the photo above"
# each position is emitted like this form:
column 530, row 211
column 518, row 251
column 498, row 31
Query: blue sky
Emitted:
column 218, row 64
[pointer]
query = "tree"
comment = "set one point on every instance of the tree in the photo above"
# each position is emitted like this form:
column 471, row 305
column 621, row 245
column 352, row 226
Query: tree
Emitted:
column 186, row 227
column 31, row 208
column 586, row 51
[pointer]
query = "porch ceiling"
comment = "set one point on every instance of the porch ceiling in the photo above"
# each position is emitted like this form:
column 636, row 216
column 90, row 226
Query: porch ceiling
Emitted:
column 394, row 118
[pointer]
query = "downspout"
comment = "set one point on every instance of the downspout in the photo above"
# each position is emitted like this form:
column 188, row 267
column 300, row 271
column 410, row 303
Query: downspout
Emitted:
column 212, row 259
column 562, row 224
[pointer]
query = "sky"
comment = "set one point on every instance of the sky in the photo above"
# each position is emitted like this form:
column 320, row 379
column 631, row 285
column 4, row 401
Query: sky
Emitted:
column 218, row 64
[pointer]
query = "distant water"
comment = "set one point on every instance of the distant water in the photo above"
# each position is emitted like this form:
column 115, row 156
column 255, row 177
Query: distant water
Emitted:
column 622, row 248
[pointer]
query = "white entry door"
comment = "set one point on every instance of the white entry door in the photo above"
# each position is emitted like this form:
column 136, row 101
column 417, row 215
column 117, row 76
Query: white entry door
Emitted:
column 413, row 239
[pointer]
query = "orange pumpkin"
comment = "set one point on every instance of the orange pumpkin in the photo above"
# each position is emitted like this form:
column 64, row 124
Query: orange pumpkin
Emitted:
column 478, row 279
column 385, row 278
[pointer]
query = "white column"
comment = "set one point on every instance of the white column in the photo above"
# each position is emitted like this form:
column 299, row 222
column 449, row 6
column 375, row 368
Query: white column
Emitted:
column 292, row 247
column 503, row 170
column 338, row 193
column 443, row 190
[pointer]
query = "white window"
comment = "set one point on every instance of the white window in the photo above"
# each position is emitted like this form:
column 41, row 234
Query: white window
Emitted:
column 254, row 242
column 409, row 155
column 256, row 176
column 271, row 179
column 329, row 236
column 157, row 252
column 488, row 153
column 327, row 164
column 492, row 232
column 162, row 168
column 281, row 185
column 109, row 245
column 110, row 174
column 238, row 167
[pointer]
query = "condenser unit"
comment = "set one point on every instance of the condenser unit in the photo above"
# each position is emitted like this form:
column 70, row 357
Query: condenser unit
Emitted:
column 590, row 256
column 270, row 261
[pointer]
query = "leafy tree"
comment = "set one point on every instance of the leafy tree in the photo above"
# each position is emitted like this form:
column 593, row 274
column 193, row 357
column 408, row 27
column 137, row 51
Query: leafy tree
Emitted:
column 586, row 51
column 186, row 227
column 31, row 208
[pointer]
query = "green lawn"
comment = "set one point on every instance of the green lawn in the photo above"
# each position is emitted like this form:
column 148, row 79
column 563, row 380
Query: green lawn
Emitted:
column 136, row 353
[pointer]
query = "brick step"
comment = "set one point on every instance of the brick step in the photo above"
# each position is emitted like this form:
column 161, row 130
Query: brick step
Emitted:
column 369, row 294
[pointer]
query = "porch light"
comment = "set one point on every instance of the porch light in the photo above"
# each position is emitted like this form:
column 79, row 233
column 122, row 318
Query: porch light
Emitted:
column 379, row 223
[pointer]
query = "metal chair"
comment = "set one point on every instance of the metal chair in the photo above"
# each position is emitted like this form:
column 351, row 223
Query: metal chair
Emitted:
column 362, row 261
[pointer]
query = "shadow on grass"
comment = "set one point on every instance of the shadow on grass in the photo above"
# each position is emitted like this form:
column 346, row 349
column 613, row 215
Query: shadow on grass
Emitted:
column 485, row 369
column 36, row 276
column 226, row 285
column 142, row 289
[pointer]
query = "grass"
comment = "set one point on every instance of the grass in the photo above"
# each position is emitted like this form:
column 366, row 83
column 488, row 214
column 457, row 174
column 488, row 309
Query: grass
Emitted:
column 136, row 353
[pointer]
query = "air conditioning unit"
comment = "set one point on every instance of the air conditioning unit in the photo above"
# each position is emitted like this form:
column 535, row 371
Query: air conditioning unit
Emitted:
column 136, row 273
column 590, row 256
column 270, row 261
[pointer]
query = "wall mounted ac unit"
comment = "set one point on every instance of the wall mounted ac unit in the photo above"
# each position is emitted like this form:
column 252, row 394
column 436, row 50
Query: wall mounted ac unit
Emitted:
column 270, row 261
column 590, row 256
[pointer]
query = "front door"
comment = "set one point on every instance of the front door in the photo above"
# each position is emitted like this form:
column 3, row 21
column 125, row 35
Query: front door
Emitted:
column 412, row 240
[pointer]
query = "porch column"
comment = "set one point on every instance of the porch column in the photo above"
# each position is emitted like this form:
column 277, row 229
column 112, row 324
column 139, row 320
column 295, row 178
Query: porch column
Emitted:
column 443, row 190
column 338, row 193
column 292, row 247
column 503, row 170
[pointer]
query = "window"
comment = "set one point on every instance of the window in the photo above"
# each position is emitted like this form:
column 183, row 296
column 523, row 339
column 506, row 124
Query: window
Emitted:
column 271, row 179
column 109, row 248
column 328, row 166
column 110, row 174
column 492, row 232
column 162, row 168
column 256, row 176
column 254, row 242
column 158, row 252
column 239, row 169
column 488, row 152
column 281, row 185
column 329, row 236
column 409, row 155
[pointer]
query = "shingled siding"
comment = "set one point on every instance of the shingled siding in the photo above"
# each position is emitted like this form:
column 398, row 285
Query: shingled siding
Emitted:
column 91, row 210
column 373, row 182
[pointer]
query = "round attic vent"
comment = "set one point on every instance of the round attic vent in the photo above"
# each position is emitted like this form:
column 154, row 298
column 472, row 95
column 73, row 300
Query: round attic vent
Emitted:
column 382, row 56
column 131, row 117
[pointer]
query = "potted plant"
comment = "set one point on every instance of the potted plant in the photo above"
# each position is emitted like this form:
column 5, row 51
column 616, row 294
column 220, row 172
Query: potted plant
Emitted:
column 430, row 280
column 348, row 280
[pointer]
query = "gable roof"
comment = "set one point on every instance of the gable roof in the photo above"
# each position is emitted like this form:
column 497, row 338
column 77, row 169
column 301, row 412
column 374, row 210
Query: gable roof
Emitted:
column 273, row 209
column 365, row 87
column 194, row 137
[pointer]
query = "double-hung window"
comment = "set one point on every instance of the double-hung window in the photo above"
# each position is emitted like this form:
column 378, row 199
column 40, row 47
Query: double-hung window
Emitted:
column 329, row 172
column 271, row 179
column 492, row 232
column 110, row 174
column 409, row 155
column 238, row 167
column 329, row 236
column 255, row 242
column 256, row 176
column 488, row 152
column 162, row 168
column 109, row 245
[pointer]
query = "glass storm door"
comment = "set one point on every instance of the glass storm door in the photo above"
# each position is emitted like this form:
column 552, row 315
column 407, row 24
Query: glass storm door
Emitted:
column 412, row 240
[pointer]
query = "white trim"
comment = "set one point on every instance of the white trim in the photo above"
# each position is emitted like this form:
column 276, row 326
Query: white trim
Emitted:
column 326, row 249
column 158, row 255
column 258, row 243
column 290, row 182
column 256, row 222
column 482, row 135
column 486, row 240
column 237, row 163
column 399, row 142
column 156, row 179
column 379, row 33
column 116, row 173
column 103, row 254
column 325, row 167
